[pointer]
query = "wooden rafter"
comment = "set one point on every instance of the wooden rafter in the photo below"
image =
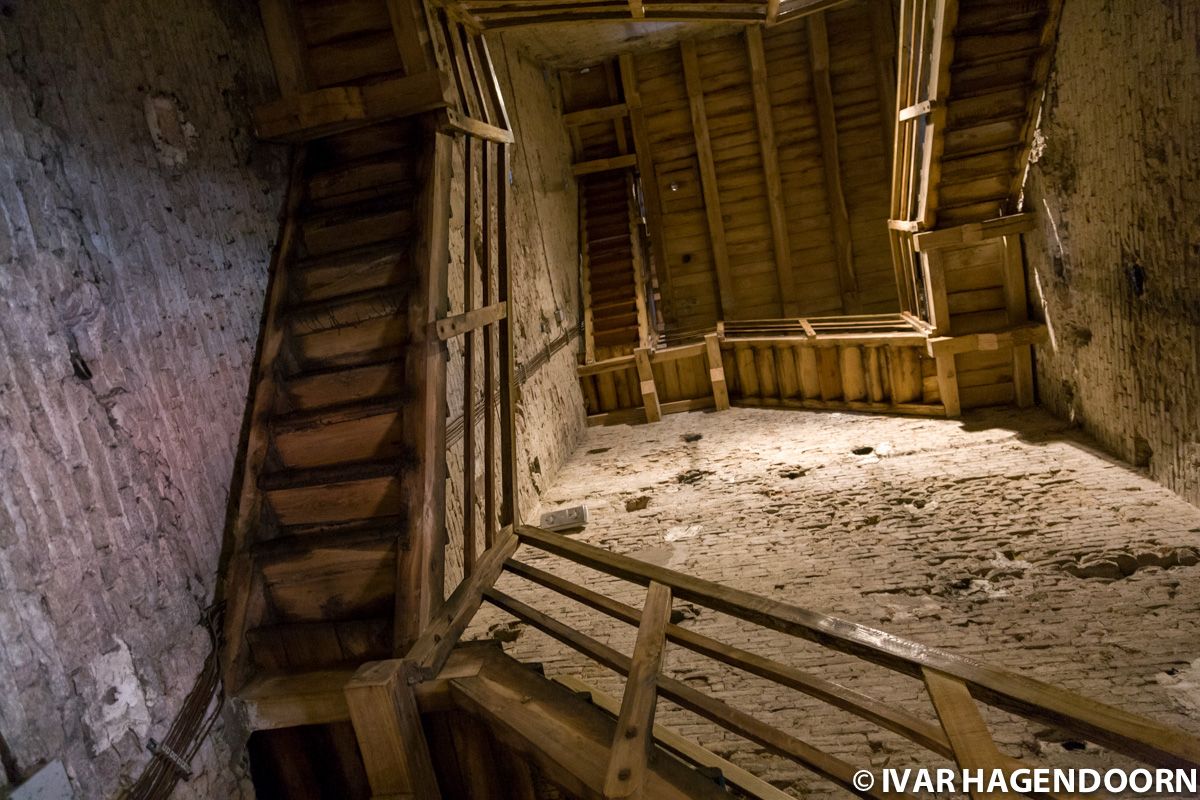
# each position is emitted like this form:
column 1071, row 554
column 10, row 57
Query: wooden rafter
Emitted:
column 708, row 177
column 770, row 165
column 818, row 48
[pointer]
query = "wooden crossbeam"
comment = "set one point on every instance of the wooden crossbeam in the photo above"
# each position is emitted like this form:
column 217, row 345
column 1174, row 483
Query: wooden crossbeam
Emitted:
column 604, row 164
column 588, row 116
column 883, row 43
column 1016, row 303
column 633, row 738
column 973, row 746
column 708, row 177
column 284, row 40
column 942, row 54
column 771, row 174
column 843, row 245
column 973, row 232
column 459, row 324
column 646, row 381
column 387, row 724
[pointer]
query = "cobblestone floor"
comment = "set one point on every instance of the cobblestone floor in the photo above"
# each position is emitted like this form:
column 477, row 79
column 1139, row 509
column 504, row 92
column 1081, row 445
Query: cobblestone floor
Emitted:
column 1005, row 537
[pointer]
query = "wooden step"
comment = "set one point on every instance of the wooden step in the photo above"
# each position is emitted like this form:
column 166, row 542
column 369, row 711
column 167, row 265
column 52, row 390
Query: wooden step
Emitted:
column 333, row 583
column 313, row 645
column 348, row 227
column 360, row 180
column 351, row 271
column 292, row 540
column 345, row 310
column 361, row 431
column 286, row 700
column 339, row 494
column 367, row 342
column 333, row 386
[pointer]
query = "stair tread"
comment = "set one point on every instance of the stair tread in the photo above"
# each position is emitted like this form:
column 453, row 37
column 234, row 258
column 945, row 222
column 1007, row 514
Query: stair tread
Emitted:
column 305, row 477
column 293, row 539
column 337, row 412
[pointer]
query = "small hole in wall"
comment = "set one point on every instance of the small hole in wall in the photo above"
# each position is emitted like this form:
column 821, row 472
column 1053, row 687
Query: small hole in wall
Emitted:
column 1137, row 279
column 687, row 258
column 80, row 367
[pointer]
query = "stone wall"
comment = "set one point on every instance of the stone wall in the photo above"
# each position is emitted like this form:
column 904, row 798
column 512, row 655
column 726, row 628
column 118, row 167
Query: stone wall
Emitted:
column 136, row 218
column 1115, row 267
column 544, row 258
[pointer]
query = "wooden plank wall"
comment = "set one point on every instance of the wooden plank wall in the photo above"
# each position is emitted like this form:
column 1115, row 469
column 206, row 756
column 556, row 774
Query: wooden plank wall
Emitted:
column 722, row 255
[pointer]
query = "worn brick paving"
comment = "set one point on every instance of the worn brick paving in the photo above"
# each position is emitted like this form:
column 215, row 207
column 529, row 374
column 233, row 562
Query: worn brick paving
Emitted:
column 1005, row 537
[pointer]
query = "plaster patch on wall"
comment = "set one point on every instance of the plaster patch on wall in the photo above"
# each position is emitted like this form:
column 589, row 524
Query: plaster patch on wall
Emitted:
column 120, row 704
column 173, row 136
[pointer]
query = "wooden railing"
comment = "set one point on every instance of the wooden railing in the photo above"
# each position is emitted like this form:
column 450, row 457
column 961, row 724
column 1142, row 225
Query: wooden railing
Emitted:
column 954, row 684
column 925, row 52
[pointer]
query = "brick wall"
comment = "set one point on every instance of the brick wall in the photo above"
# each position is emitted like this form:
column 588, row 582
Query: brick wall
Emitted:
column 1115, row 267
column 136, row 218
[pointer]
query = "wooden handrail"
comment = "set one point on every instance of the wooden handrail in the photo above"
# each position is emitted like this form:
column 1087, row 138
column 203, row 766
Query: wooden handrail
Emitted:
column 1135, row 736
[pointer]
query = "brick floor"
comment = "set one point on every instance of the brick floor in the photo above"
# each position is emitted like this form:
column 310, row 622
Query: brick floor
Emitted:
column 1006, row 537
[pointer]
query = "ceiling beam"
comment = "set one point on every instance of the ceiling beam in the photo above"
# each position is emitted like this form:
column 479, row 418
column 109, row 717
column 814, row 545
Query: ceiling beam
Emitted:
column 835, row 198
column 708, row 178
column 770, row 165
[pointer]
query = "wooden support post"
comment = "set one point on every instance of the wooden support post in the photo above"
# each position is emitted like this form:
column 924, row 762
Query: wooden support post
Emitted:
column 284, row 40
column 1016, row 301
column 770, row 164
column 648, row 389
column 843, row 245
column 964, row 727
column 947, row 378
column 408, row 23
column 883, row 42
column 634, row 737
column 649, row 180
column 716, row 372
column 645, row 324
column 944, row 19
column 468, row 414
column 490, row 519
column 708, row 178
column 420, row 567
column 510, row 512
column 935, row 293
column 387, row 723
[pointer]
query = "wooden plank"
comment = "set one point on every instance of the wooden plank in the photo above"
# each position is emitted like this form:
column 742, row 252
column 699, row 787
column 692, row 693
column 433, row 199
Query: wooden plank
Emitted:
column 883, row 44
column 750, row 785
column 896, row 720
column 818, row 48
column 717, row 711
column 321, row 112
column 974, row 232
column 408, row 24
column 937, row 302
column 945, row 16
column 421, row 566
column 708, row 178
column 648, row 390
column 387, row 724
column 510, row 510
column 429, row 653
column 680, row 352
column 947, row 379
column 771, row 175
column 717, row 372
column 457, row 121
column 604, row 165
column 459, row 324
column 1016, row 302
column 1135, row 736
column 589, row 116
column 633, row 739
column 285, row 41
column 1029, row 333
column 608, row 365
column 973, row 746
column 244, row 603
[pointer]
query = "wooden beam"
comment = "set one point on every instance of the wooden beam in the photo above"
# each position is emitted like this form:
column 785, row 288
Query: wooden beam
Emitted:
column 716, row 372
column 1016, row 302
column 944, row 19
column 321, row 112
column 839, row 216
column 408, row 23
column 636, row 9
column 974, row 232
column 604, row 164
column 387, row 724
column 973, row 746
column 459, row 324
column 648, row 389
column 1136, row 736
column 723, row 714
column 936, row 298
column 750, row 785
column 1041, row 71
column 896, row 720
column 772, row 12
column 649, row 179
column 1028, row 333
column 883, row 43
column 589, row 116
column 285, row 42
column 771, row 174
column 708, row 178
column 429, row 653
column 421, row 566
column 633, row 739
column 947, row 379
column 456, row 121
